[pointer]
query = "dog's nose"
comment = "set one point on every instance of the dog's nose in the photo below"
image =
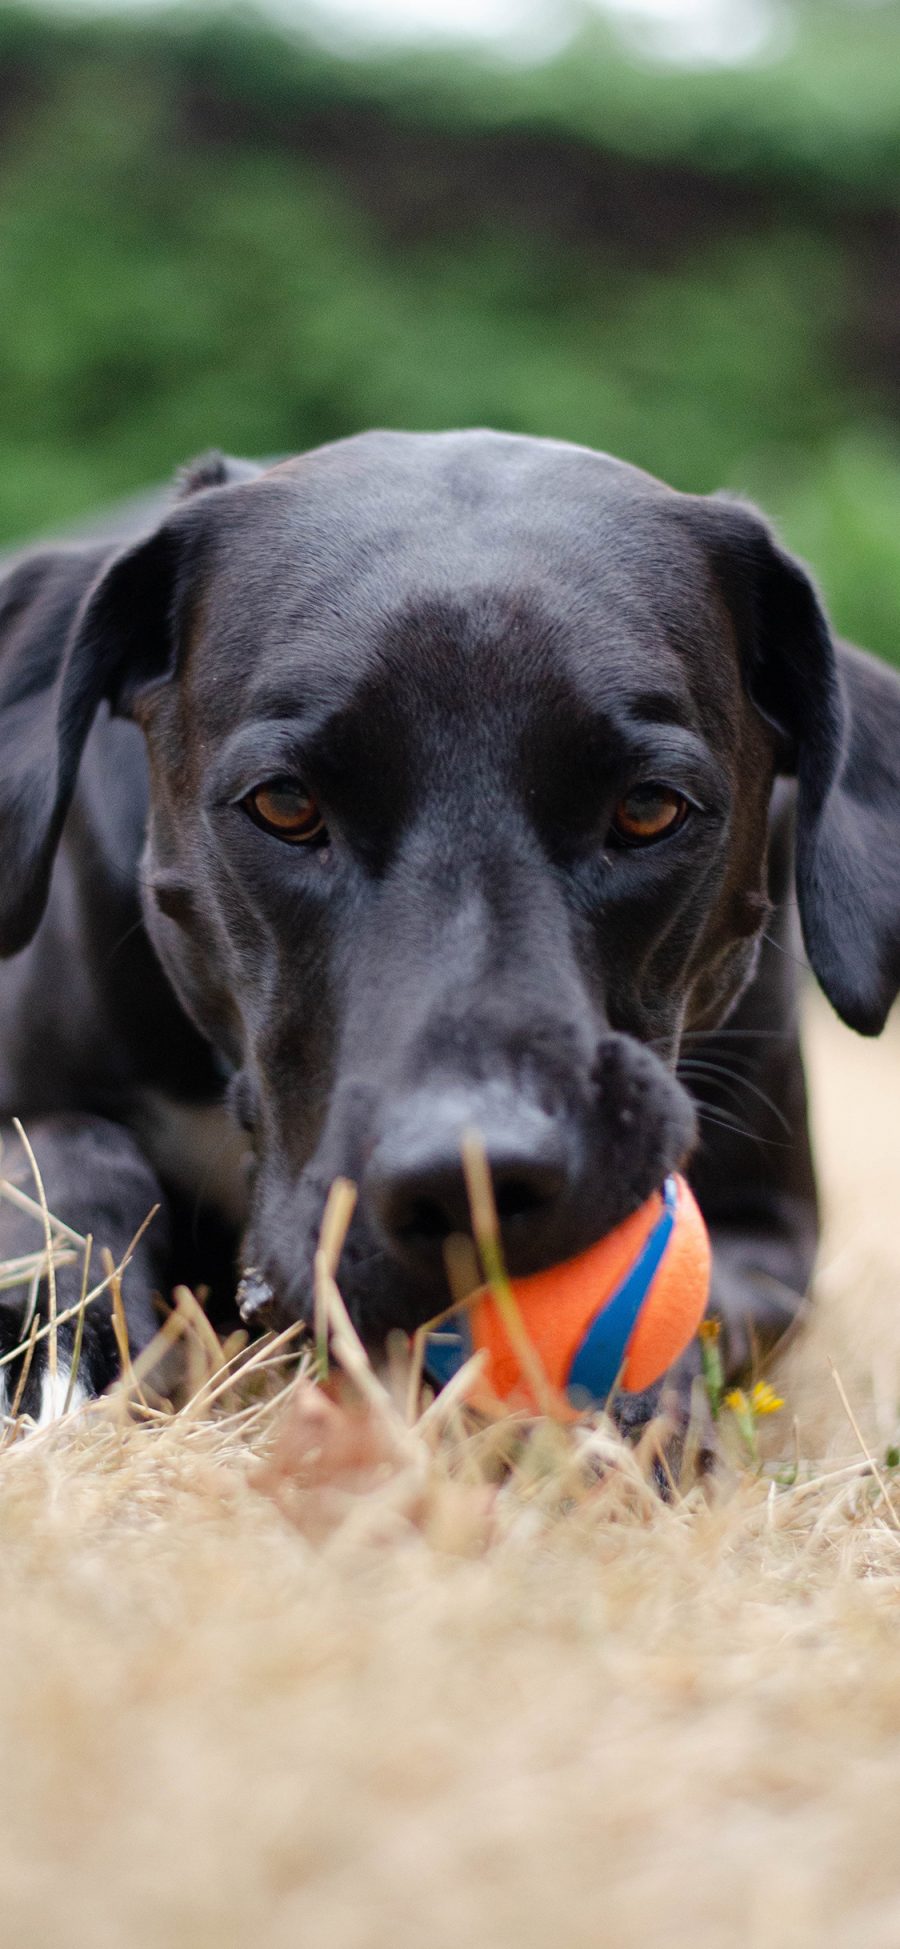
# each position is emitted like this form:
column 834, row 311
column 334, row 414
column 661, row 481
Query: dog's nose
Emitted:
column 415, row 1185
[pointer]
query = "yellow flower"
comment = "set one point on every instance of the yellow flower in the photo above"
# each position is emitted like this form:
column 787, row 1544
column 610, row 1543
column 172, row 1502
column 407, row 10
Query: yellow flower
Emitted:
column 764, row 1399
column 737, row 1401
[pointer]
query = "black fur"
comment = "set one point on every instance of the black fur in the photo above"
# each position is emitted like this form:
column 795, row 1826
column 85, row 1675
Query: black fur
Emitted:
column 469, row 647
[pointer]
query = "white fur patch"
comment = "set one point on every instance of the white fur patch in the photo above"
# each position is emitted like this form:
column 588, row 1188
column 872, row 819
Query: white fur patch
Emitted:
column 54, row 1388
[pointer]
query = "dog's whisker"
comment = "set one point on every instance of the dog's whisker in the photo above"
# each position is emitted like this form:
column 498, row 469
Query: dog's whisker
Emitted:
column 708, row 1038
column 135, row 928
column 708, row 1114
column 695, row 1065
column 799, row 960
column 731, row 1102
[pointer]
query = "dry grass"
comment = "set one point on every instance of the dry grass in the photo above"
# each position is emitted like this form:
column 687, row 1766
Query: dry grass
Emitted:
column 392, row 1709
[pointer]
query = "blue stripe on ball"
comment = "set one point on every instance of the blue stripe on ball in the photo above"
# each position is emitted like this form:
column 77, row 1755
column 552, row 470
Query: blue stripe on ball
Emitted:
column 447, row 1349
column 601, row 1355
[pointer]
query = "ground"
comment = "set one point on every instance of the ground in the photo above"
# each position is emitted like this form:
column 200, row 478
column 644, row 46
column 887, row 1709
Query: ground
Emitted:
column 234, row 1712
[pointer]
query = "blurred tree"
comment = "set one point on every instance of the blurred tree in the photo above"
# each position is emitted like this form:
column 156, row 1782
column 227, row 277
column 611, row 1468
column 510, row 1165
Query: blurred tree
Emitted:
column 211, row 233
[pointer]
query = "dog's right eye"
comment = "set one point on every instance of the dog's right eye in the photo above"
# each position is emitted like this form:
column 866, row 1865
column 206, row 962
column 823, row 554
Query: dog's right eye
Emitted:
column 284, row 807
column 648, row 813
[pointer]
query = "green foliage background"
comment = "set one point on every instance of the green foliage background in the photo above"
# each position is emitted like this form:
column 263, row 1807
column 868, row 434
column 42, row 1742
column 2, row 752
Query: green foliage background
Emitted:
column 212, row 234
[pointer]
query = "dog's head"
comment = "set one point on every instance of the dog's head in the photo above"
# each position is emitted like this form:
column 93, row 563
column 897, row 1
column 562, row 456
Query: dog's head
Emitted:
column 461, row 752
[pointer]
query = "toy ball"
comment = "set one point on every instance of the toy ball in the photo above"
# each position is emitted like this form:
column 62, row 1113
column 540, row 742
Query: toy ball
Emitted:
column 617, row 1316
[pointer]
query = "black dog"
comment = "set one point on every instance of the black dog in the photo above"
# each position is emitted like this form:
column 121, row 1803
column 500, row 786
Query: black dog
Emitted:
column 417, row 783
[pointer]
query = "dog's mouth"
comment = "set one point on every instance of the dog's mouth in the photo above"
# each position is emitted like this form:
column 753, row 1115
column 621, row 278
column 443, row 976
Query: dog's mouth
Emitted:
column 377, row 1295
column 382, row 1296
column 395, row 1261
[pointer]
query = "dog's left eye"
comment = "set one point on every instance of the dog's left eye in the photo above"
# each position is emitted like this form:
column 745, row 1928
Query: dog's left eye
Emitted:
column 286, row 809
column 647, row 813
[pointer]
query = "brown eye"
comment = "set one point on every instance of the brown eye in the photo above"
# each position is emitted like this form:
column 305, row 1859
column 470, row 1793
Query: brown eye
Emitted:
column 284, row 807
column 647, row 813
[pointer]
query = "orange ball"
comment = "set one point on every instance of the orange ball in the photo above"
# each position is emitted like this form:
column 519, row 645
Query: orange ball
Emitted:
column 619, row 1314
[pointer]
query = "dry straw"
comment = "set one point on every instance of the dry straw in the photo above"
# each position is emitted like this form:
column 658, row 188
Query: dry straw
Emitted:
column 288, row 1662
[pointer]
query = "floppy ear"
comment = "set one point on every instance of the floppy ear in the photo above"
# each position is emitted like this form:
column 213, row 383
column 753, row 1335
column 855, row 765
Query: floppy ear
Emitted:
column 77, row 628
column 59, row 659
column 837, row 714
